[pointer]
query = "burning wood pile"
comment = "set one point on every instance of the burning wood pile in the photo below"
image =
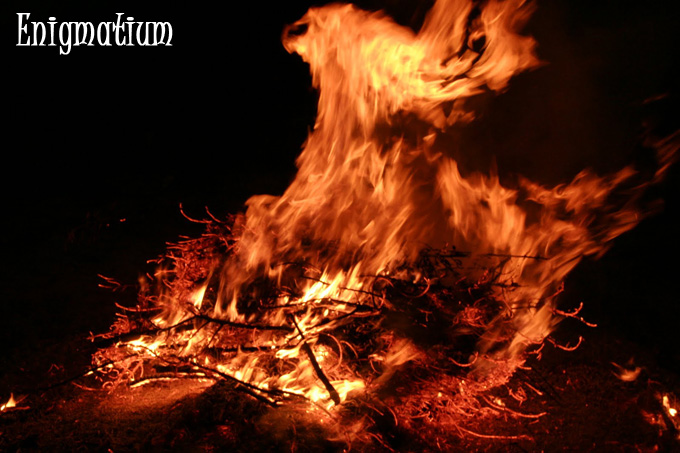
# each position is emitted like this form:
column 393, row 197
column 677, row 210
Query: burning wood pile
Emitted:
column 385, row 287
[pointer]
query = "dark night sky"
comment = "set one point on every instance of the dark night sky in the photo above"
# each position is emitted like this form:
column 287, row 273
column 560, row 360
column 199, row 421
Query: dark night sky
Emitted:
column 106, row 134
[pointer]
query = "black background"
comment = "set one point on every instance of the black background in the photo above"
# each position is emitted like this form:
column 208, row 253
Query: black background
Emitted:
column 106, row 134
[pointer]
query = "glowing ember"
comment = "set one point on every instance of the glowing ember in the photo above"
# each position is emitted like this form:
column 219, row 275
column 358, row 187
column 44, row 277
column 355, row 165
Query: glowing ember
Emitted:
column 348, row 287
column 627, row 373
column 667, row 405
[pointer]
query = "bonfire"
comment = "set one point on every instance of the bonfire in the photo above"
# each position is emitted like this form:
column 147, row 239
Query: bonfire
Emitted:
column 386, row 294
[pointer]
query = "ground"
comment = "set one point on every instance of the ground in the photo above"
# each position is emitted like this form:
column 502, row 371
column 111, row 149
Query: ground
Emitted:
column 587, row 408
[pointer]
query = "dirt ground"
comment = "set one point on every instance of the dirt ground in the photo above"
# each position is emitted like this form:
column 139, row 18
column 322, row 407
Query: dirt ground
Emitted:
column 587, row 408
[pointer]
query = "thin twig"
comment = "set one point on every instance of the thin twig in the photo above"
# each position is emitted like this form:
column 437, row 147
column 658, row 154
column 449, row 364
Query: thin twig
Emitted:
column 319, row 372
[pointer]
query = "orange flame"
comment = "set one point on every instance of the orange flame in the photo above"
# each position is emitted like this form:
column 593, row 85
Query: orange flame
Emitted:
column 377, row 195
column 627, row 373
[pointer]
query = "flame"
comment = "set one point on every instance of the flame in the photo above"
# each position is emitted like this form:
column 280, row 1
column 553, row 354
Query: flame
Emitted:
column 378, row 196
column 665, row 401
column 374, row 187
column 11, row 402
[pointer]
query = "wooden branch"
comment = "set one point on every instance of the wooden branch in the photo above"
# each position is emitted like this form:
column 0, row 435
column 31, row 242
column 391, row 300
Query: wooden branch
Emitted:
column 106, row 341
column 239, row 325
column 319, row 372
column 317, row 368
column 506, row 255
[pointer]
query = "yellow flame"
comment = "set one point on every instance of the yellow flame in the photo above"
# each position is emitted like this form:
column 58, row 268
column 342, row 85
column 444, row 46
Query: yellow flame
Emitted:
column 11, row 402
column 196, row 297
column 667, row 405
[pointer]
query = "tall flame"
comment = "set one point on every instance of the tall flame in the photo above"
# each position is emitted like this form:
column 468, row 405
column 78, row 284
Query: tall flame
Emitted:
column 373, row 184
